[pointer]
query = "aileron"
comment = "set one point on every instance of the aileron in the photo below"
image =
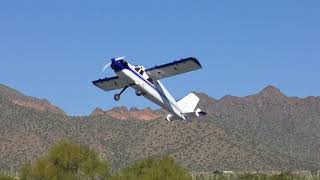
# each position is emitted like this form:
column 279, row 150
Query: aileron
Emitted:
column 109, row 84
column 174, row 68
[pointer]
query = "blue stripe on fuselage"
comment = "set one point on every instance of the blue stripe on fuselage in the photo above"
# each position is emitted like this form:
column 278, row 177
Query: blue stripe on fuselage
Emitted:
column 121, row 67
column 144, row 80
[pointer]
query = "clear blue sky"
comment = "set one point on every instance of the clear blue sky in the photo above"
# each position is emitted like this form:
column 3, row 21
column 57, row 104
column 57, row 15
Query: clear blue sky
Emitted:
column 54, row 49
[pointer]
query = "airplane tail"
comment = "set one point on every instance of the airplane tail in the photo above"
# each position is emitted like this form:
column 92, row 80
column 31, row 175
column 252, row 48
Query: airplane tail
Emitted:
column 188, row 105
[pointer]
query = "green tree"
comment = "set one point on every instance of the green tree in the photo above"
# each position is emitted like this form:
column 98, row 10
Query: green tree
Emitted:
column 67, row 160
column 153, row 169
column 5, row 177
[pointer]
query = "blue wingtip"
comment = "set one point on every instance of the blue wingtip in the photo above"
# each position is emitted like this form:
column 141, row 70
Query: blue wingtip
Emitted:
column 195, row 60
column 94, row 82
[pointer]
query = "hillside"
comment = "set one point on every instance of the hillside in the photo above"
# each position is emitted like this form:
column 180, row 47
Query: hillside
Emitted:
column 18, row 98
column 265, row 131
column 288, row 125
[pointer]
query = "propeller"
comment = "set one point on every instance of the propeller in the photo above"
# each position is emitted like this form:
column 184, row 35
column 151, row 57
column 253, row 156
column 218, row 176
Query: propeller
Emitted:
column 112, row 60
column 106, row 66
column 119, row 58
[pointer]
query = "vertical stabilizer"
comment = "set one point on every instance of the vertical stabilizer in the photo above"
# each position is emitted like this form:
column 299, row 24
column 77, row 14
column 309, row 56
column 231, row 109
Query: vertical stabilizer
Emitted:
column 188, row 103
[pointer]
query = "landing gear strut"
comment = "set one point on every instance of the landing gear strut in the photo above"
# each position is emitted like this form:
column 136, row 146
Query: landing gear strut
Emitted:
column 117, row 96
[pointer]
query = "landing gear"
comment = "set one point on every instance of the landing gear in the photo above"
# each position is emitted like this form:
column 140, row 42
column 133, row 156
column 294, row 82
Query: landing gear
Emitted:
column 169, row 117
column 117, row 96
column 138, row 93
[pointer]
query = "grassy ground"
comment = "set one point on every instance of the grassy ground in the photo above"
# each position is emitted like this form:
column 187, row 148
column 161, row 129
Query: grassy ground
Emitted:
column 302, row 175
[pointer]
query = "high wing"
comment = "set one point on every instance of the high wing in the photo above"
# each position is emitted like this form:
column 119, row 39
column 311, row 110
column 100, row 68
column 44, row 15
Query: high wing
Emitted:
column 112, row 83
column 174, row 68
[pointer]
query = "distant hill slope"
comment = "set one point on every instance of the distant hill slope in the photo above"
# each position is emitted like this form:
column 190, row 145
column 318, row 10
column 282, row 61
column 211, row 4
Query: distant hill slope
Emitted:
column 266, row 131
column 18, row 98
column 288, row 125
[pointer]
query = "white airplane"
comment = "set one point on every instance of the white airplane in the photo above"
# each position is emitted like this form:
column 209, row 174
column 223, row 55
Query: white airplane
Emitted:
column 146, row 82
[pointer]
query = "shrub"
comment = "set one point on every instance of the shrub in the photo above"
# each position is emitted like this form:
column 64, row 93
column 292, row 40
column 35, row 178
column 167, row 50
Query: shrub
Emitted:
column 153, row 169
column 5, row 177
column 67, row 160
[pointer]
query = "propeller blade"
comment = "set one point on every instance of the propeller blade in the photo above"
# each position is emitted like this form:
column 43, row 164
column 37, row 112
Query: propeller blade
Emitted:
column 105, row 67
column 119, row 58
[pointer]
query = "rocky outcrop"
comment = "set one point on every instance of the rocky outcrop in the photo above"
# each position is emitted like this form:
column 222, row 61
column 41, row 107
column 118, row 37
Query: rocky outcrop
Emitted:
column 122, row 113
column 97, row 112
column 27, row 101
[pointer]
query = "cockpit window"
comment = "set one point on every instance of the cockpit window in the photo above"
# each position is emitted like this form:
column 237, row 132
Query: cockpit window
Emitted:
column 137, row 69
column 141, row 72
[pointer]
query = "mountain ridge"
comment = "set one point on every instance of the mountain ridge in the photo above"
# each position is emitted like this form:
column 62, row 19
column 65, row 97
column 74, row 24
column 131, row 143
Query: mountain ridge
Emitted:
column 264, row 131
column 18, row 98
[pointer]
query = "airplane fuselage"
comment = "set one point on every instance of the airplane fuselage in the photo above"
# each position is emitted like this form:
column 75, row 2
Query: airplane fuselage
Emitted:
column 153, row 90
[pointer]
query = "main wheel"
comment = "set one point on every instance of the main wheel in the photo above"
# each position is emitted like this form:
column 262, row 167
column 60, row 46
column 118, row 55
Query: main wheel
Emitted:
column 138, row 93
column 116, row 97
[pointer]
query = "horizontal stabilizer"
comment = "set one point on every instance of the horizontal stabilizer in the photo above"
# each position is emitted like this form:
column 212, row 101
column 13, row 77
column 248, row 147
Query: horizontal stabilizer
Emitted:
column 188, row 106
column 197, row 113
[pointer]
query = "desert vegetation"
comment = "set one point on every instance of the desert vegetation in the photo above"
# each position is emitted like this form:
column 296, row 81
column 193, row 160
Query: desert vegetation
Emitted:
column 67, row 160
column 70, row 160
column 259, row 176
column 263, row 132
column 6, row 177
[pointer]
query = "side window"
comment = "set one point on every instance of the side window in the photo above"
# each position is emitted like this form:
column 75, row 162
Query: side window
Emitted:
column 141, row 72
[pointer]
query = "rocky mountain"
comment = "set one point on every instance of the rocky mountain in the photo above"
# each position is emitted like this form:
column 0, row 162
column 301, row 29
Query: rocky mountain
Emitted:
column 287, row 125
column 27, row 101
column 266, row 131
column 122, row 113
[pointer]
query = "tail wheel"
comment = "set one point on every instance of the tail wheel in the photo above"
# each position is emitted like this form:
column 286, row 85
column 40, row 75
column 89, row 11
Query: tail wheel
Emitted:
column 169, row 116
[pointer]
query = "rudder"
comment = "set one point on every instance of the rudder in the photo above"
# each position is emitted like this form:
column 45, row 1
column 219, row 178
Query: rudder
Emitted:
column 188, row 103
